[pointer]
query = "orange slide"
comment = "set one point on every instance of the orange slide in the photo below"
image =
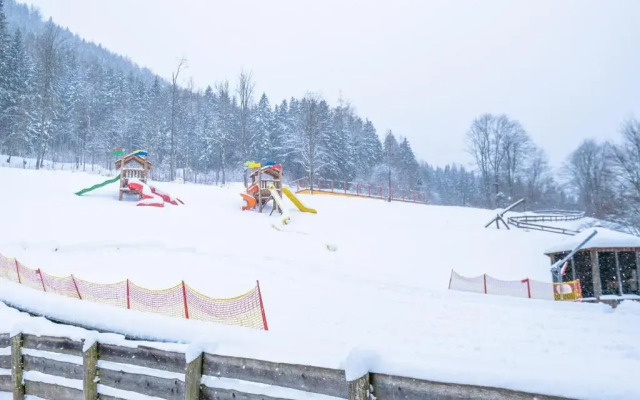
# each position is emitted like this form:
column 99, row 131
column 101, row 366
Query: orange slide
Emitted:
column 250, row 201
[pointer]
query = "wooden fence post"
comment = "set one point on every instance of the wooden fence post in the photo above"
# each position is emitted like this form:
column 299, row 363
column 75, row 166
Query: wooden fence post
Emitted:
column 90, row 373
column 359, row 389
column 192, row 379
column 16, row 367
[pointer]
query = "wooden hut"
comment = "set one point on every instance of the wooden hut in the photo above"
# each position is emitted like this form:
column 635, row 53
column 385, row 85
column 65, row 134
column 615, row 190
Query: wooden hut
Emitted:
column 607, row 266
column 132, row 166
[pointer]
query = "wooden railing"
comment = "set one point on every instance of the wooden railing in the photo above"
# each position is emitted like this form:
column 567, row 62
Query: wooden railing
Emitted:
column 358, row 189
column 533, row 221
column 105, row 370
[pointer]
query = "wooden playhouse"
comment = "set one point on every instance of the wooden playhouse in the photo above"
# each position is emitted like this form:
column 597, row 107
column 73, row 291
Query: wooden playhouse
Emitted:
column 261, row 178
column 133, row 165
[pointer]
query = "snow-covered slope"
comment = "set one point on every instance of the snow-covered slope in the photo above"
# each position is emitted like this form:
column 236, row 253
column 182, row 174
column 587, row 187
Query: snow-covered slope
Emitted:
column 382, row 288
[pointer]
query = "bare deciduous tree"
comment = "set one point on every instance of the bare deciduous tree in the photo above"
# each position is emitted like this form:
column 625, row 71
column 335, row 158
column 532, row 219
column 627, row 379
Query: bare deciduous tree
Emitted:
column 48, row 68
column 627, row 165
column 174, row 94
column 311, row 125
column 590, row 171
column 245, row 97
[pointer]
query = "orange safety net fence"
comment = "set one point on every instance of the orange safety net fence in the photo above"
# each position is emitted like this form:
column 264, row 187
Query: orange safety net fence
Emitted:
column 179, row 301
column 526, row 288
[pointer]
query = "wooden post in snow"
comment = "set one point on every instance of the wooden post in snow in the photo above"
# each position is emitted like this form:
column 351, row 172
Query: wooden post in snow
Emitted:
column 595, row 271
column 192, row 379
column 618, row 274
column 498, row 218
column 16, row 367
column 90, row 373
column 359, row 389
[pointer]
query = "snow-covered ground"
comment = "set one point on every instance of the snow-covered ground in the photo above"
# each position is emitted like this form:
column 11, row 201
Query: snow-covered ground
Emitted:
column 361, row 274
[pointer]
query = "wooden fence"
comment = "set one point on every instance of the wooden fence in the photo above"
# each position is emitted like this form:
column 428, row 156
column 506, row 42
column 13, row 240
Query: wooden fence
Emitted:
column 357, row 189
column 166, row 375
column 533, row 221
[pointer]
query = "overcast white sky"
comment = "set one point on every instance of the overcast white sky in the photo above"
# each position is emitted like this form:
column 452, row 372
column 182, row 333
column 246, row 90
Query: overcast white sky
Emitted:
column 566, row 70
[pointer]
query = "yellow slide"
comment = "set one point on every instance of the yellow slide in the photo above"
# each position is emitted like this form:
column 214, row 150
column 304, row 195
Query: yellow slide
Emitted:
column 297, row 202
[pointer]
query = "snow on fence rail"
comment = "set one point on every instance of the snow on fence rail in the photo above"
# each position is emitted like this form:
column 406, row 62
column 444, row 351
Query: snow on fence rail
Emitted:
column 525, row 288
column 180, row 301
column 359, row 190
column 61, row 368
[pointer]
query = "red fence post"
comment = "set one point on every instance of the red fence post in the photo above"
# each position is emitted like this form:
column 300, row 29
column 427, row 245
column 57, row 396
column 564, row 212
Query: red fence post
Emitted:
column 528, row 287
column 264, row 315
column 128, row 296
column 18, row 271
column 485, row 283
column 76, row 286
column 41, row 280
column 184, row 299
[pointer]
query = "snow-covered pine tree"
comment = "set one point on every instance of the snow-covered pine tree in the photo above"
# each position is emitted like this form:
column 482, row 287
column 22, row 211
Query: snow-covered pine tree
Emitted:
column 17, row 111
column 408, row 166
column 262, row 125
column 5, row 94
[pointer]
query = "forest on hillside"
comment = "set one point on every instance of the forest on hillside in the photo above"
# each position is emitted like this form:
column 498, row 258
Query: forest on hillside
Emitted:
column 63, row 99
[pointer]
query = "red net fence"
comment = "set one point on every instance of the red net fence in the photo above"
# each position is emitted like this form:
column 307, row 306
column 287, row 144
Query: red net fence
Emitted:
column 179, row 301
column 525, row 288
column 359, row 190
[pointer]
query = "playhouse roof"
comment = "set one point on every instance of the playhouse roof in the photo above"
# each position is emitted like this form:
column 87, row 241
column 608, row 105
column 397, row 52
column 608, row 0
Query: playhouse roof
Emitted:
column 606, row 239
column 135, row 158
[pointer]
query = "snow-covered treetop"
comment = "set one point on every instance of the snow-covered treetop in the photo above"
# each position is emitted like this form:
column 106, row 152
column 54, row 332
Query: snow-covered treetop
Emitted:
column 605, row 239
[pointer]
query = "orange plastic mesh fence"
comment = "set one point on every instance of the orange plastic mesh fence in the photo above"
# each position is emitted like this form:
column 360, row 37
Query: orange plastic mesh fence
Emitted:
column 60, row 285
column 169, row 302
column 525, row 288
column 244, row 310
column 29, row 277
column 114, row 294
column 179, row 301
column 8, row 268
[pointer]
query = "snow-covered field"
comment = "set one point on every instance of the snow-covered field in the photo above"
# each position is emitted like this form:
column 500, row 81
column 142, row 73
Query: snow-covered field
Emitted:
column 382, row 290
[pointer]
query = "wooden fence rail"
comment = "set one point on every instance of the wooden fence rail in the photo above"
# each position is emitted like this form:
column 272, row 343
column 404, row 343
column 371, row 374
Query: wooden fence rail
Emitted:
column 533, row 221
column 103, row 369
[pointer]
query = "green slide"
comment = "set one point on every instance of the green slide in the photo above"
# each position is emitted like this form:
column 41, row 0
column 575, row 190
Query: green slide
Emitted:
column 99, row 185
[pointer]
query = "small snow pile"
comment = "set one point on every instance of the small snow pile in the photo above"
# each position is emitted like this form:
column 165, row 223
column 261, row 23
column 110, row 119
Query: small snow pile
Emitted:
column 359, row 362
column 199, row 345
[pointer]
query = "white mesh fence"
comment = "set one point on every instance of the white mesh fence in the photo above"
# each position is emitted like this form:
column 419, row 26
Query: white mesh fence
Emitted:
column 464, row 284
column 525, row 288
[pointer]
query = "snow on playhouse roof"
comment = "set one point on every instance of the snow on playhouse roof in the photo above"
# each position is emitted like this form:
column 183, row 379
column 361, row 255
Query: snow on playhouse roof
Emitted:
column 605, row 239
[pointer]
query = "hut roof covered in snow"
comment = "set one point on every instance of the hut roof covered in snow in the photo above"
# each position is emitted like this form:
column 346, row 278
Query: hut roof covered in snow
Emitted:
column 605, row 240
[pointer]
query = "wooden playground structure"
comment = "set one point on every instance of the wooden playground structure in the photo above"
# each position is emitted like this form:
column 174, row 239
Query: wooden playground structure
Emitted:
column 263, row 180
column 133, row 165
column 265, row 185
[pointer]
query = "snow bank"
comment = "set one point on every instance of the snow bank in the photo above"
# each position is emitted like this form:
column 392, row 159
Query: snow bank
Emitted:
column 381, row 292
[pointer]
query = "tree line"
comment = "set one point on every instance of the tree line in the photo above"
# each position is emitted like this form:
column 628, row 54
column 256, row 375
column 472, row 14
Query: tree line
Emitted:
column 65, row 100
